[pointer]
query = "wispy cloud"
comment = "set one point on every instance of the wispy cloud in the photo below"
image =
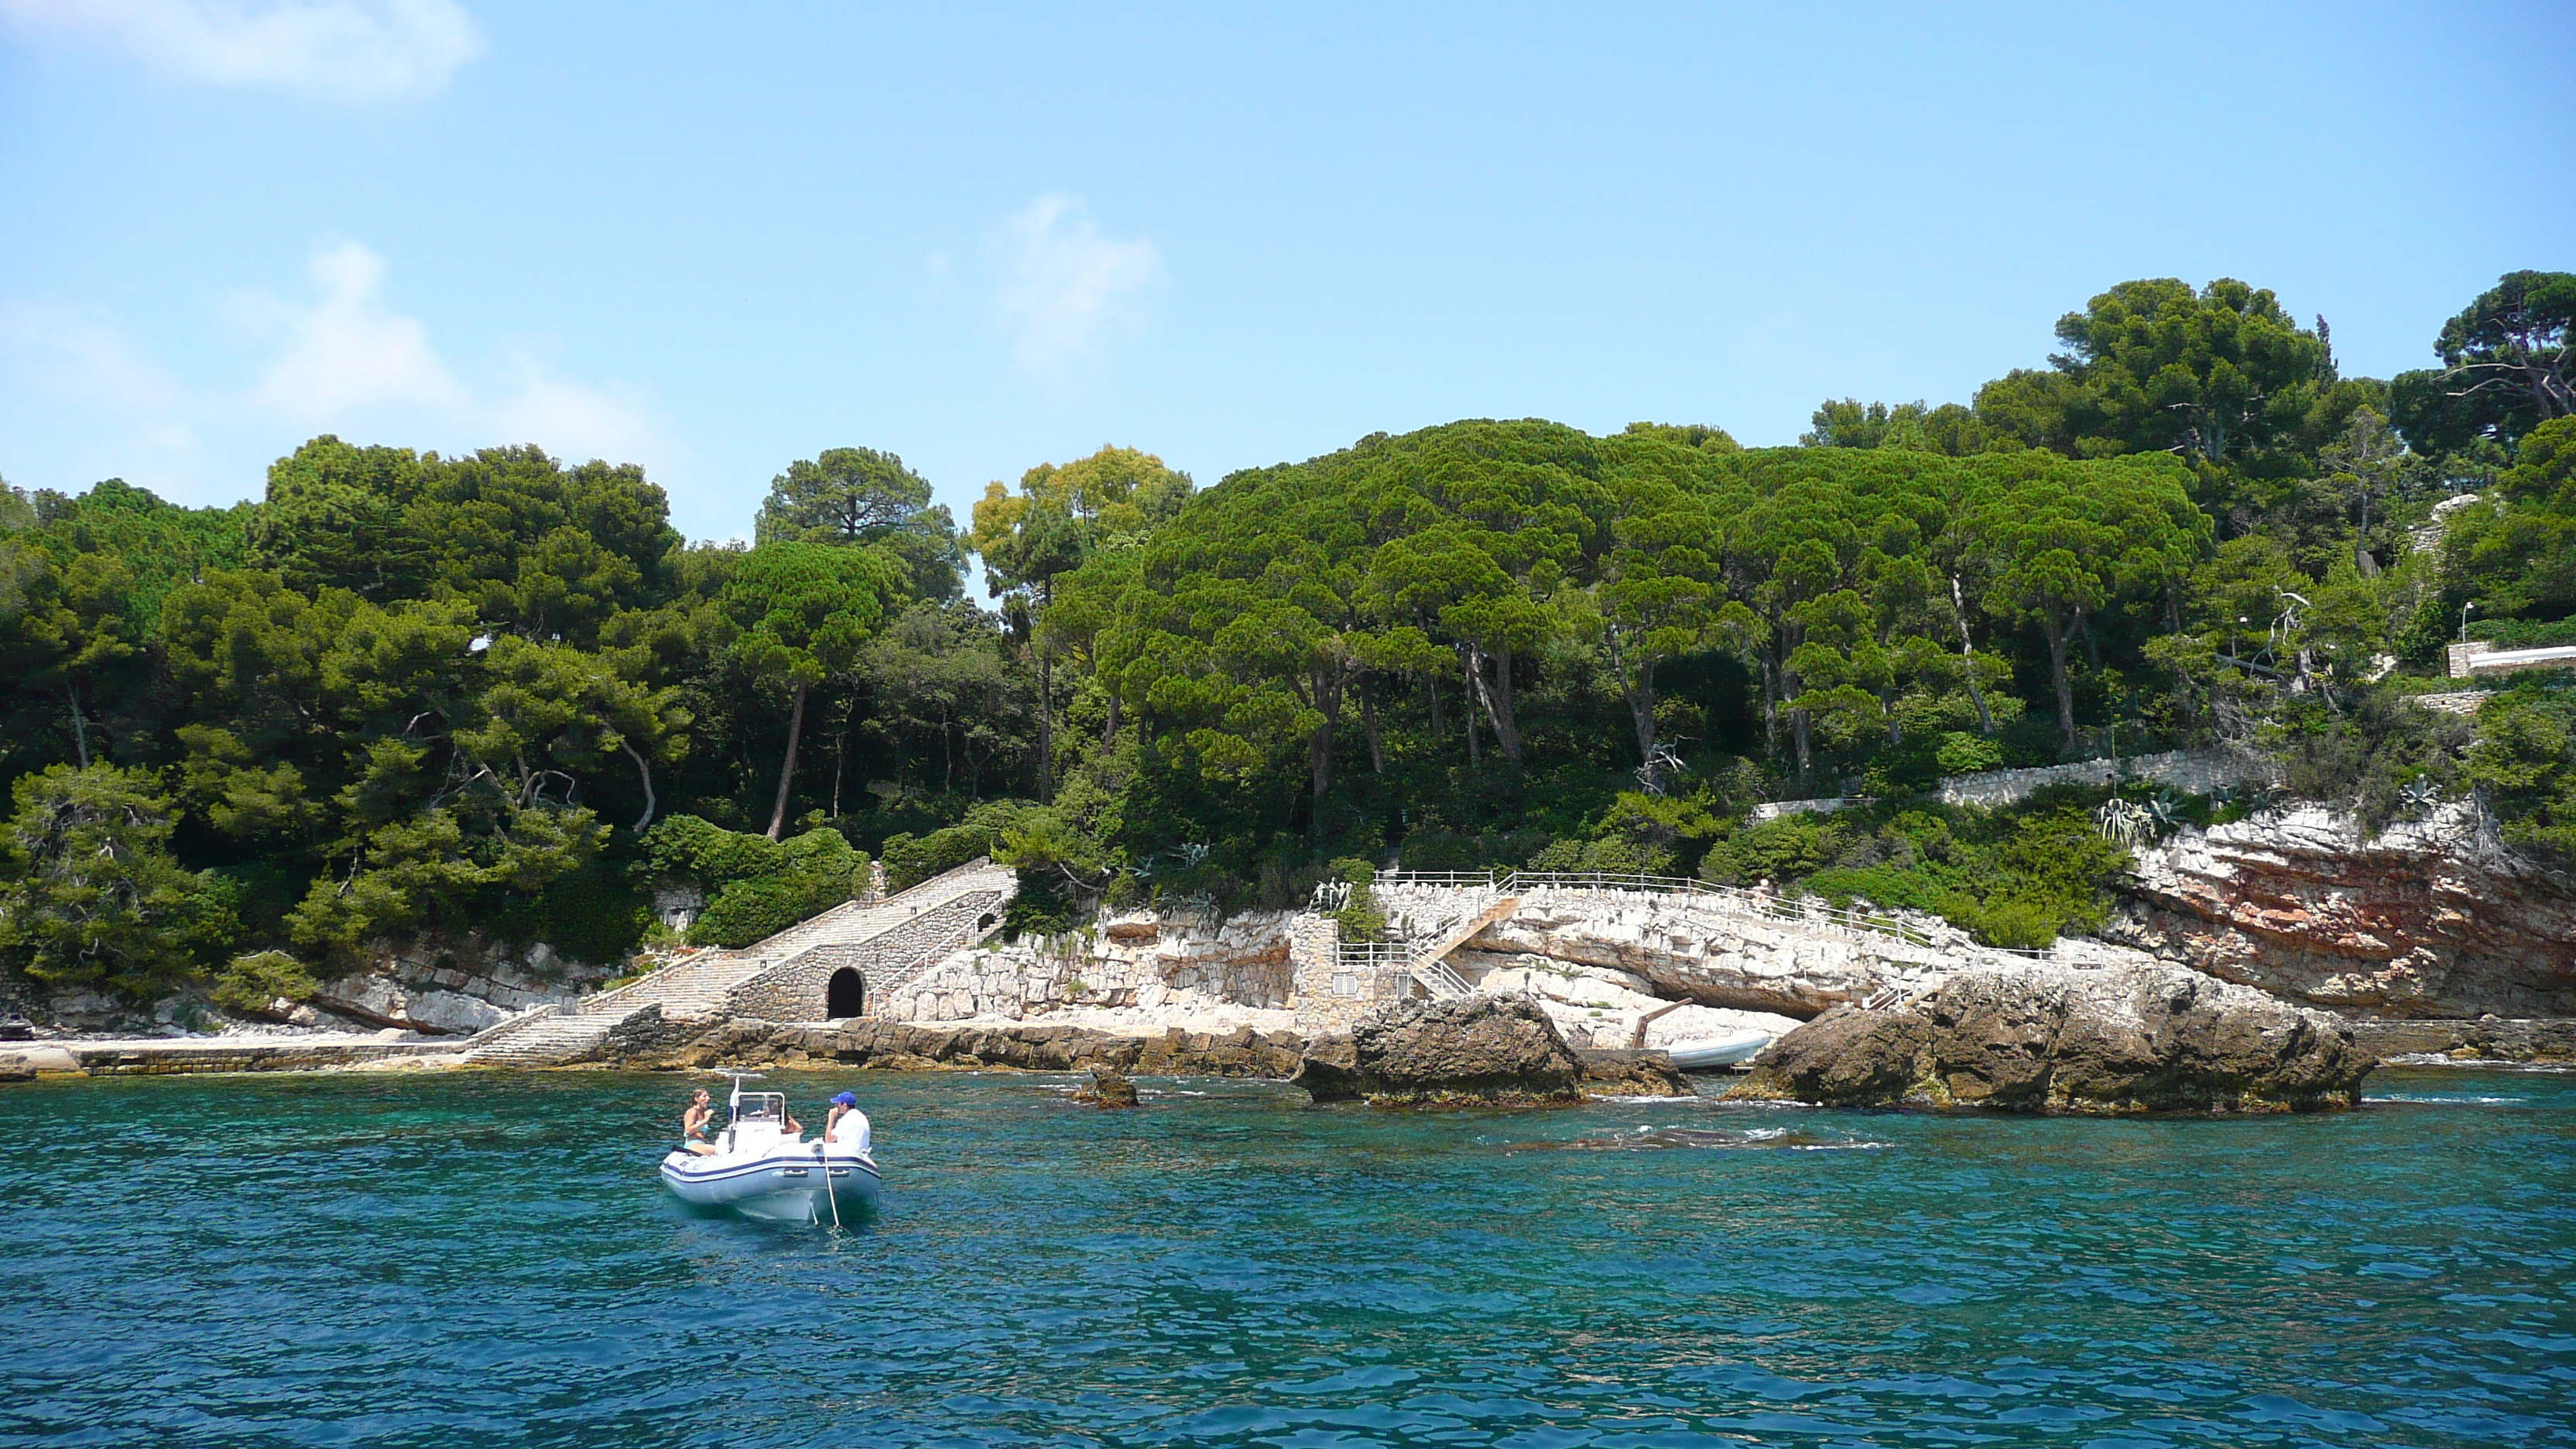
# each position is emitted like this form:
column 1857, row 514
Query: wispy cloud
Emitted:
column 344, row 350
column 1066, row 289
column 336, row 358
column 74, row 361
column 572, row 419
column 360, row 50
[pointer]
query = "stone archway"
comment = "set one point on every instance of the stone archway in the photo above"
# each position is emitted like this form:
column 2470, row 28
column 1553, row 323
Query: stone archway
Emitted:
column 846, row 994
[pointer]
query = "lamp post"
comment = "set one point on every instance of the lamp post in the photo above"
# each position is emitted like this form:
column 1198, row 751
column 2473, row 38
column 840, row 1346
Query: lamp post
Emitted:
column 2464, row 619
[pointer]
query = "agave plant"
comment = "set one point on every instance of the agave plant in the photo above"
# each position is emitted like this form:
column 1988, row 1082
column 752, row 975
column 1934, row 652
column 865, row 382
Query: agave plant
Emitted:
column 2125, row 821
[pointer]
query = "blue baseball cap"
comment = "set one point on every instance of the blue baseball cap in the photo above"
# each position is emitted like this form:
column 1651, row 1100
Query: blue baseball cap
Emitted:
column 845, row 1100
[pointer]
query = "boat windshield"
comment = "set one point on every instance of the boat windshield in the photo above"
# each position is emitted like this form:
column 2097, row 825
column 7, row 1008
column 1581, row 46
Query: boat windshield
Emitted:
column 769, row 1107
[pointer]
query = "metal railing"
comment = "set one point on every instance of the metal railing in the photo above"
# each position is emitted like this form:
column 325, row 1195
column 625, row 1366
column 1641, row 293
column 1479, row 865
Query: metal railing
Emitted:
column 1412, row 949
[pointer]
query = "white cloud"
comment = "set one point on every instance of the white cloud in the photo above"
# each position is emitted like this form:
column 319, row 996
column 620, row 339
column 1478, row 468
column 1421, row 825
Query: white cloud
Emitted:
column 1066, row 288
column 360, row 50
column 573, row 420
column 346, row 355
column 345, row 350
column 337, row 359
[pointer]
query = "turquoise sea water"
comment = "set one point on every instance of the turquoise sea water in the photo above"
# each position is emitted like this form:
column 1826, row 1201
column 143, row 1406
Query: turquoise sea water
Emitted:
column 463, row 1258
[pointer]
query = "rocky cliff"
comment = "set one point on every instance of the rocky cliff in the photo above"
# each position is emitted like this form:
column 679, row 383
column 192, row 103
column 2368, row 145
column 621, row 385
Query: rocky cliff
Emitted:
column 2429, row 919
column 2141, row 1038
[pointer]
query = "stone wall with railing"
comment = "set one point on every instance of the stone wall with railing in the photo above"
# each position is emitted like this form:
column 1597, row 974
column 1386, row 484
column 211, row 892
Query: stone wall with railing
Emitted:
column 1330, row 988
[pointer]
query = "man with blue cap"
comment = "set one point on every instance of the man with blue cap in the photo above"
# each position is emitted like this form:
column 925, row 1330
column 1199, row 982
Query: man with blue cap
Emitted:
column 847, row 1127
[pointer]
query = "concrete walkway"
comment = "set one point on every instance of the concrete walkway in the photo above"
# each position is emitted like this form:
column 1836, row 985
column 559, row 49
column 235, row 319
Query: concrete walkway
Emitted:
column 157, row 1055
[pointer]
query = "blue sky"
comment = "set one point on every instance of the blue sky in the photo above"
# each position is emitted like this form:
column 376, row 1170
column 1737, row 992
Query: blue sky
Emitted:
column 712, row 239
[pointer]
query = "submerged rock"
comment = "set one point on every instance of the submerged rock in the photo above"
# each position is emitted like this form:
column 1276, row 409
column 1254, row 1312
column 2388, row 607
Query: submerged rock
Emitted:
column 1630, row 1072
column 2130, row 1038
column 1496, row 1049
column 1107, row 1089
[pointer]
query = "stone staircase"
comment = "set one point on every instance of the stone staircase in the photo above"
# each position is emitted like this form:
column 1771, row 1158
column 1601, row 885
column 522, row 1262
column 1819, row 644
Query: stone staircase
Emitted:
column 1432, row 920
column 701, row 987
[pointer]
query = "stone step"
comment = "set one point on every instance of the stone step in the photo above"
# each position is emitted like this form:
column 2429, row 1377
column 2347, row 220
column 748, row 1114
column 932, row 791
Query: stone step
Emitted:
column 699, row 989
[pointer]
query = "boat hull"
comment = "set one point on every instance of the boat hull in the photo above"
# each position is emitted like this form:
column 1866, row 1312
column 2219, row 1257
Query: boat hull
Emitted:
column 1708, row 1053
column 786, row 1187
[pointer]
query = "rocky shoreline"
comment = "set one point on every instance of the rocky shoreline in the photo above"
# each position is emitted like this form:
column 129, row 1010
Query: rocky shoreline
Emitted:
column 2116, row 1040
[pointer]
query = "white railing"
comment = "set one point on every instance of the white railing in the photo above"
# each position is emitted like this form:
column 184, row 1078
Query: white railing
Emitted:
column 1417, row 947
column 1438, row 979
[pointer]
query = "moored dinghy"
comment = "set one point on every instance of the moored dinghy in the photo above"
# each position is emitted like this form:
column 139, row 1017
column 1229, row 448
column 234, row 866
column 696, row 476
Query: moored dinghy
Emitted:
column 761, row 1170
column 1723, row 1050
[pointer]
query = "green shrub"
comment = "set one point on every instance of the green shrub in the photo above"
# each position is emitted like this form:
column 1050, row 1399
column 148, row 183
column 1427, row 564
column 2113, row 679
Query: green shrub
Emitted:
column 816, row 871
column 912, row 859
column 1359, row 919
column 1789, row 848
column 2366, row 757
column 2013, row 877
column 756, row 887
column 1957, row 753
column 698, row 850
column 1880, row 885
column 251, row 984
column 594, row 915
column 2525, row 633
column 2525, row 762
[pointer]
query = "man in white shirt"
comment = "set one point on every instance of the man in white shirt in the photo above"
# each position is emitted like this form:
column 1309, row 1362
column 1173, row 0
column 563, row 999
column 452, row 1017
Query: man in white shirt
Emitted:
column 847, row 1127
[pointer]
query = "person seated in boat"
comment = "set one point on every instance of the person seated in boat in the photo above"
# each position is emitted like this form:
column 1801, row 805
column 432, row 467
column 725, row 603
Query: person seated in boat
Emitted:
column 788, row 1127
column 847, row 1127
column 694, row 1123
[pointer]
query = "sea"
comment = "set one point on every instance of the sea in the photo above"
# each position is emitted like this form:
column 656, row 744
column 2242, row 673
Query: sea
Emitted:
column 470, row 1258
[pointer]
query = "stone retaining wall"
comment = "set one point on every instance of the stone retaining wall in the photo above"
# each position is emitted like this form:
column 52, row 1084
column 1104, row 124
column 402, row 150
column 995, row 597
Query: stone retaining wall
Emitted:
column 1140, row 960
column 181, row 1057
column 1327, row 995
column 2195, row 772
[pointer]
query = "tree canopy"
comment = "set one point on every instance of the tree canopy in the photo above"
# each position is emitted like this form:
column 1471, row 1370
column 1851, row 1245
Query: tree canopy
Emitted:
column 413, row 695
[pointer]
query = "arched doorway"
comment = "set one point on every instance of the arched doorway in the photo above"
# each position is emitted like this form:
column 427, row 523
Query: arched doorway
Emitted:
column 846, row 994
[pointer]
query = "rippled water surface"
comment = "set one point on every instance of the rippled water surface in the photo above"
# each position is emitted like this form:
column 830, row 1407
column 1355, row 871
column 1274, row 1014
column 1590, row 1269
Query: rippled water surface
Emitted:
column 468, row 1258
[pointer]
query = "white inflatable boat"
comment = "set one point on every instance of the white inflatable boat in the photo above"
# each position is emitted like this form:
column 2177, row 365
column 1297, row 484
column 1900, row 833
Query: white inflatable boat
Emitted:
column 1708, row 1053
column 761, row 1170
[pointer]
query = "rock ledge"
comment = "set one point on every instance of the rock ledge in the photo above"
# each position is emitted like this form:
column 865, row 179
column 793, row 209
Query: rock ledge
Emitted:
column 1478, row 1049
column 2129, row 1038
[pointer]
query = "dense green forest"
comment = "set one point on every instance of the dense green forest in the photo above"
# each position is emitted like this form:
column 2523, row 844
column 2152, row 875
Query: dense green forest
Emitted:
column 406, row 693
